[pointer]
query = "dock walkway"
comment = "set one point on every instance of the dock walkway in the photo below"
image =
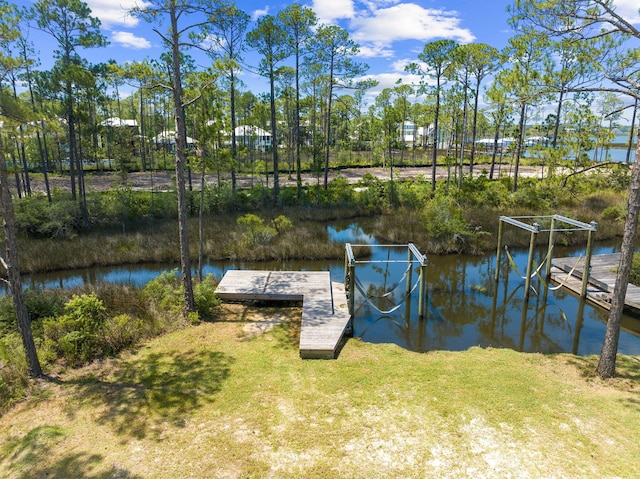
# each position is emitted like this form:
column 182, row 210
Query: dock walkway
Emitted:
column 602, row 279
column 325, row 314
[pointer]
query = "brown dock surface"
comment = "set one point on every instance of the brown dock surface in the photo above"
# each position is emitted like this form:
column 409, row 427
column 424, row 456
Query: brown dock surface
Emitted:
column 325, row 314
column 602, row 279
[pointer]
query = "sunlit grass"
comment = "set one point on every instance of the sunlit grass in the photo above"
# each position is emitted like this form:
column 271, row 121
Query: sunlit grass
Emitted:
column 220, row 400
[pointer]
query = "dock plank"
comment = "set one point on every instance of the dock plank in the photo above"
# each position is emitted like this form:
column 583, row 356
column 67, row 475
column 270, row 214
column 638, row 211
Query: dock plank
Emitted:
column 325, row 313
column 602, row 279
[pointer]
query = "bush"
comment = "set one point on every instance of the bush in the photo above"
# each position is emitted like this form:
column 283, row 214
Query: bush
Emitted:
column 164, row 293
column 14, row 377
column 75, row 334
column 59, row 219
column 255, row 232
column 613, row 213
column 40, row 304
column 634, row 277
column 120, row 332
column 205, row 298
column 445, row 225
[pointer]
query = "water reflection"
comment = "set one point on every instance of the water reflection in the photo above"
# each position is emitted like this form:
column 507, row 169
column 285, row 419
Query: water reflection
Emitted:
column 467, row 308
column 464, row 306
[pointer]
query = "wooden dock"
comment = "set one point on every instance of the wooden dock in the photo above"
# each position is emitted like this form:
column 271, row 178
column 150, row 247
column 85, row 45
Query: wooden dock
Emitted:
column 602, row 279
column 325, row 313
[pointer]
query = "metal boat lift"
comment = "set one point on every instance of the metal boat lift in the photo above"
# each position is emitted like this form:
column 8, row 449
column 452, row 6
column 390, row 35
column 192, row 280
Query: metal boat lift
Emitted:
column 535, row 228
column 413, row 255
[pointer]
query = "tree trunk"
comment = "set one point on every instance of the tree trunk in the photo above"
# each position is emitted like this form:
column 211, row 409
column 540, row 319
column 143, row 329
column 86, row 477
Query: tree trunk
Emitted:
column 274, row 137
column 519, row 146
column 435, row 137
column 607, row 364
column 180, row 157
column 13, row 273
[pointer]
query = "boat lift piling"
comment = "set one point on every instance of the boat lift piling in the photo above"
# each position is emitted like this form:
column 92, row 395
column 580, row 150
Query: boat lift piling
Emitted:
column 535, row 228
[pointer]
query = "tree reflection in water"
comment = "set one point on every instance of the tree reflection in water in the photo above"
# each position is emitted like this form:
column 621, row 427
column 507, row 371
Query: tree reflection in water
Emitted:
column 466, row 308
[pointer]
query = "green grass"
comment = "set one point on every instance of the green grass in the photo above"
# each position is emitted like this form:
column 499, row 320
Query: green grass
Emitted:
column 217, row 400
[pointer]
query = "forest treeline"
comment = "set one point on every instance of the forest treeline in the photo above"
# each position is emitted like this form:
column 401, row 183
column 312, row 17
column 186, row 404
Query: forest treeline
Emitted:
column 71, row 118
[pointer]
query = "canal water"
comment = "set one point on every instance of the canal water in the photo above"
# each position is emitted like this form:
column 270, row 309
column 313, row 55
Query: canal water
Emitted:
column 465, row 307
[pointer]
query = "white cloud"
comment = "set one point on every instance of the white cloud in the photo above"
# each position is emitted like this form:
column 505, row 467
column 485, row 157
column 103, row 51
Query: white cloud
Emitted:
column 259, row 13
column 399, row 64
column 115, row 12
column 628, row 9
column 389, row 80
column 129, row 40
column 328, row 11
column 408, row 21
column 375, row 51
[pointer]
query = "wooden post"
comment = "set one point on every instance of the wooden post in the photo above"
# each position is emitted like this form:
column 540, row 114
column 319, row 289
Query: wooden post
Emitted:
column 552, row 234
column 352, row 283
column 587, row 261
column 497, row 273
column 532, row 243
column 346, row 270
column 423, row 290
column 409, row 273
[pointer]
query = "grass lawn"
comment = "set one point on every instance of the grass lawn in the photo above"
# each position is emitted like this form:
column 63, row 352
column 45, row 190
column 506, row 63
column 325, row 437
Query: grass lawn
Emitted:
column 232, row 399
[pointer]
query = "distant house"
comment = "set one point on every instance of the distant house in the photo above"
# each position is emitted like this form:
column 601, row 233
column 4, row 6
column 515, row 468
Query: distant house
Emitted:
column 115, row 122
column 253, row 137
column 167, row 140
column 414, row 135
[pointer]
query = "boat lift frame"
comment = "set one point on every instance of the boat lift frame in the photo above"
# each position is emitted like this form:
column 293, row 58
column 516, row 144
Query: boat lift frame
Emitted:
column 534, row 228
column 413, row 254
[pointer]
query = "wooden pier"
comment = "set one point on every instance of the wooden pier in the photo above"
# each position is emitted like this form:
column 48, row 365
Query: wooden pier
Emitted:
column 325, row 314
column 602, row 279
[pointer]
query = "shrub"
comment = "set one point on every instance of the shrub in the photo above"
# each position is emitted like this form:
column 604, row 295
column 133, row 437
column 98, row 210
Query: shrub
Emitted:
column 40, row 304
column 205, row 298
column 14, row 377
column 256, row 232
column 75, row 334
column 613, row 213
column 120, row 332
column 634, row 277
column 164, row 293
column 445, row 225
column 60, row 219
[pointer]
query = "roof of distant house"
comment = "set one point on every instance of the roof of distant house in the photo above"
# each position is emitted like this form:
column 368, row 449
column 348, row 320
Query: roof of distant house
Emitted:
column 115, row 121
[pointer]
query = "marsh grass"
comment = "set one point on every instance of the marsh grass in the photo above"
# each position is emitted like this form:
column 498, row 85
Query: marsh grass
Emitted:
column 216, row 401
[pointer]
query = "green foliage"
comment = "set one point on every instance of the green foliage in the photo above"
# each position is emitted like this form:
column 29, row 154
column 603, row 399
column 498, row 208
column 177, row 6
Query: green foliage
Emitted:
column 255, row 232
column 613, row 213
column 74, row 335
column 445, row 225
column 535, row 195
column 164, row 293
column 205, row 298
column 59, row 219
column 634, row 277
column 120, row 332
column 14, row 377
column 40, row 304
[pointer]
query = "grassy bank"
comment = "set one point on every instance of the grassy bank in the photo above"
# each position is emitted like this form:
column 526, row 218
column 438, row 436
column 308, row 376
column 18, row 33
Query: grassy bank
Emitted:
column 223, row 399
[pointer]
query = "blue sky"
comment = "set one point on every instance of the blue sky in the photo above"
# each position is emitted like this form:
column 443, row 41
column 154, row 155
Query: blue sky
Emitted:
column 390, row 32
